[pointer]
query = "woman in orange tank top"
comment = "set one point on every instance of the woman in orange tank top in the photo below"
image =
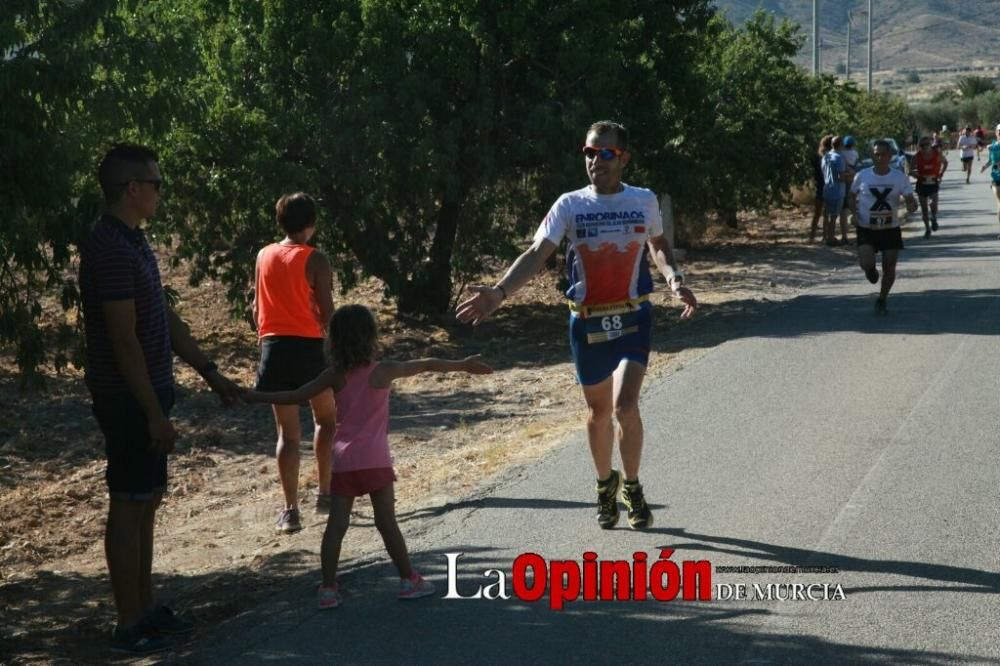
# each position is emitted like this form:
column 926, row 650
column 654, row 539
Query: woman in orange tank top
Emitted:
column 292, row 304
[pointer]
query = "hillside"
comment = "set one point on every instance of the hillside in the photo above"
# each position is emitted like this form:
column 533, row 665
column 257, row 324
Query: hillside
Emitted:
column 909, row 34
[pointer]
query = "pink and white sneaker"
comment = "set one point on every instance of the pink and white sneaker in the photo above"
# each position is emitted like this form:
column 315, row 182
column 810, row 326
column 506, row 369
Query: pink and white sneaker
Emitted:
column 329, row 596
column 414, row 587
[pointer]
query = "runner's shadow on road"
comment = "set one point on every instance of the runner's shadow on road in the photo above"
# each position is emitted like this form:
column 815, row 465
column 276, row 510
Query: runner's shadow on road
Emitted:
column 973, row 580
column 934, row 312
column 944, row 245
column 497, row 503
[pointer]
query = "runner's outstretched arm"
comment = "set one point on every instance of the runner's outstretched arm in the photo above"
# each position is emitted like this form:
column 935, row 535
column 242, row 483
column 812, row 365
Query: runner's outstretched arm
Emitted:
column 485, row 300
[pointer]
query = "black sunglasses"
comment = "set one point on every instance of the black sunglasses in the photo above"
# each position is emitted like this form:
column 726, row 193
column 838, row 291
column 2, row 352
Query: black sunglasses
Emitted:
column 156, row 183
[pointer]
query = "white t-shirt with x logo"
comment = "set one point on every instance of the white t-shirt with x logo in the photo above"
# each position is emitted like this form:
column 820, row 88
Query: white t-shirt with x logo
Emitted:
column 878, row 197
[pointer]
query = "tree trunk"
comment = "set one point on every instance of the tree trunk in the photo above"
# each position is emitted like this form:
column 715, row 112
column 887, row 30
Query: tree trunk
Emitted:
column 429, row 291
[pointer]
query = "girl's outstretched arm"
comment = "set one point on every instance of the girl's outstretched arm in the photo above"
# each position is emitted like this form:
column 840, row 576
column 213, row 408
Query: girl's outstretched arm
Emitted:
column 329, row 378
column 388, row 371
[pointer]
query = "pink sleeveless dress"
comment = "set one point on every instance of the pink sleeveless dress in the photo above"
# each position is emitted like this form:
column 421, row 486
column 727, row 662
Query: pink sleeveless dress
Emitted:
column 362, row 462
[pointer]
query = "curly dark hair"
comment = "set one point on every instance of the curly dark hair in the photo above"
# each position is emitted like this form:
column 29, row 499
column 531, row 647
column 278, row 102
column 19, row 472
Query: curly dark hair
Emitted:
column 352, row 337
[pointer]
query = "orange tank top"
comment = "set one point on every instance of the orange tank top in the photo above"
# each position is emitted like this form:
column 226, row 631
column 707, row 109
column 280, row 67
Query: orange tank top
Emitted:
column 285, row 302
column 928, row 168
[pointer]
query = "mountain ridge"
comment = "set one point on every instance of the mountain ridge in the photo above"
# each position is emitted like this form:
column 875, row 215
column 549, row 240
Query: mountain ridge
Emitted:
column 908, row 34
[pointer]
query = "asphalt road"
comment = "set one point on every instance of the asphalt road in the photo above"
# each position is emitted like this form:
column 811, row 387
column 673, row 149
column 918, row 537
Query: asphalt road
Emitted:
column 822, row 436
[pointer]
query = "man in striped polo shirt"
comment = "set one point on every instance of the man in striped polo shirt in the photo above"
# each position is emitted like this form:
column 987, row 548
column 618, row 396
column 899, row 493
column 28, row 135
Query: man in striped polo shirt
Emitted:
column 132, row 333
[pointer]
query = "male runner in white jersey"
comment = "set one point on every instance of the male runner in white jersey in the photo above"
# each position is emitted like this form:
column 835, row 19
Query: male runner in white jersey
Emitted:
column 607, row 225
column 874, row 198
column 967, row 145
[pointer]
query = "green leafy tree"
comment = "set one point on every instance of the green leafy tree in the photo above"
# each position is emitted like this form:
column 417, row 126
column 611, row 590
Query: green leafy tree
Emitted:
column 932, row 116
column 974, row 86
column 434, row 132
column 988, row 110
column 757, row 114
column 881, row 115
column 73, row 78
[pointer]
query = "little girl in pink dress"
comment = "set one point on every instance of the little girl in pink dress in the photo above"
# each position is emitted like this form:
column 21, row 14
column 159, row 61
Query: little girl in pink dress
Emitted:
column 362, row 463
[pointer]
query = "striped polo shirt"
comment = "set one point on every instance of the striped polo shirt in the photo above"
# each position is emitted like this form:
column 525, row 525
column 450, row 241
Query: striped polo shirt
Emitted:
column 116, row 264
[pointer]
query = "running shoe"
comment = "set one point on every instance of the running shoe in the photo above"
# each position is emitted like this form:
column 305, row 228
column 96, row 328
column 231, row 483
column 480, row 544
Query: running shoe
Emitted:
column 165, row 621
column 328, row 596
column 880, row 306
column 934, row 224
column 138, row 640
column 872, row 275
column 414, row 587
column 639, row 515
column 927, row 234
column 288, row 521
column 607, row 500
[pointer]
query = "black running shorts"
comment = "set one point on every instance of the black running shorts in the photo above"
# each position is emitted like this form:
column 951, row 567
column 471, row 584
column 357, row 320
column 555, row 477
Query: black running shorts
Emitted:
column 881, row 239
column 287, row 362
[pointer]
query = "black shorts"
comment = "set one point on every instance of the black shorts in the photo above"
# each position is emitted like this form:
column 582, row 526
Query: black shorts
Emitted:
column 134, row 472
column 968, row 159
column 288, row 362
column 926, row 189
column 881, row 239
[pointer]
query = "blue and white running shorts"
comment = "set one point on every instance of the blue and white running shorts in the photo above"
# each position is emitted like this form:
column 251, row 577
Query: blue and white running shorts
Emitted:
column 600, row 343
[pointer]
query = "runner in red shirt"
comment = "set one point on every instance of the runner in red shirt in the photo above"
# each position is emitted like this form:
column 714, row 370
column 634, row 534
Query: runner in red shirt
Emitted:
column 929, row 165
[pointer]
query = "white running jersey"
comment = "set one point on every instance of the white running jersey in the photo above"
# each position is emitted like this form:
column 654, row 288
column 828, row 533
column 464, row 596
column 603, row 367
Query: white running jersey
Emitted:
column 878, row 197
column 968, row 144
column 607, row 234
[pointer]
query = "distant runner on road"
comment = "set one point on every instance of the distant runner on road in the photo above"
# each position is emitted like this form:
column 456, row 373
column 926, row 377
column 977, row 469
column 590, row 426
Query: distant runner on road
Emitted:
column 929, row 166
column 874, row 199
column 993, row 163
column 835, row 179
column 608, row 225
column 851, row 161
column 967, row 149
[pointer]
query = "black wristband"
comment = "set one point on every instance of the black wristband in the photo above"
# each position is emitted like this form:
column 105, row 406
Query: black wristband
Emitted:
column 207, row 368
column 502, row 291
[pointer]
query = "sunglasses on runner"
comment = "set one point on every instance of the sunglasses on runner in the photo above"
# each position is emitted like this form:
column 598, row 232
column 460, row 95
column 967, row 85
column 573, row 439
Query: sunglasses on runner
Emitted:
column 604, row 154
column 157, row 183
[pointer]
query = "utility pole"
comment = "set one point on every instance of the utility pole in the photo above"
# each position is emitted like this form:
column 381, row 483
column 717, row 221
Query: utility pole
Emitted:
column 847, row 65
column 870, row 45
column 815, row 37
